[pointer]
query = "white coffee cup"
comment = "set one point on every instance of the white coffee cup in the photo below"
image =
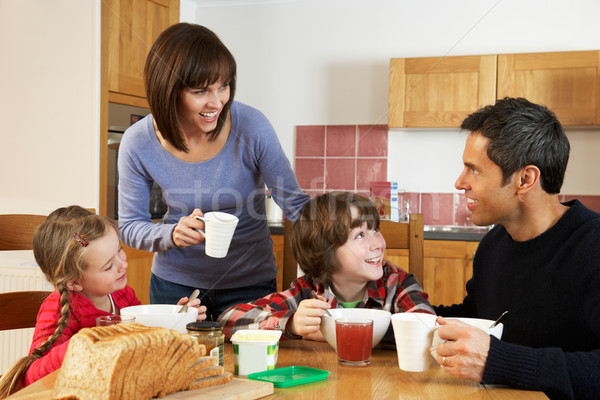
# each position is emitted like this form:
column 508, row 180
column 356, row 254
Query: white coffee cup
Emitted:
column 413, row 333
column 218, row 231
column 483, row 324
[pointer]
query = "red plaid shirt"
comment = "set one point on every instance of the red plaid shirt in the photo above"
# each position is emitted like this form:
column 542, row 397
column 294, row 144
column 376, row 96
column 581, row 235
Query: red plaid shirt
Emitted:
column 394, row 292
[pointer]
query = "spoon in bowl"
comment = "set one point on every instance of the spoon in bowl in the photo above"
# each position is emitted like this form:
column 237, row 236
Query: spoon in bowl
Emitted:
column 193, row 296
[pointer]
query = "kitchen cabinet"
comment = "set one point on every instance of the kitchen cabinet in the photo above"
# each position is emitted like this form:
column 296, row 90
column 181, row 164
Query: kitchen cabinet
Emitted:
column 131, row 28
column 439, row 91
column 566, row 82
column 140, row 264
column 448, row 267
column 128, row 30
column 442, row 91
column 138, row 272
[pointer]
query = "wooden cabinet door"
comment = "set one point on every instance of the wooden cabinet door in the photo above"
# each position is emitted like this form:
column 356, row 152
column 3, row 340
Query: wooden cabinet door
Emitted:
column 278, row 253
column 439, row 91
column 132, row 27
column 444, row 280
column 566, row 82
column 139, row 271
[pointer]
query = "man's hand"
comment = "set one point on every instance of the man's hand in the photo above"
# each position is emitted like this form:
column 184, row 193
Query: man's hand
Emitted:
column 465, row 351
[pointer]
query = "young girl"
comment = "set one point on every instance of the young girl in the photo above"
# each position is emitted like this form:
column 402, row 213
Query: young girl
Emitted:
column 337, row 244
column 80, row 254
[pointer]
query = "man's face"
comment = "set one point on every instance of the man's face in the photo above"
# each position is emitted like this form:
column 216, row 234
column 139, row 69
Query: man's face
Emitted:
column 489, row 201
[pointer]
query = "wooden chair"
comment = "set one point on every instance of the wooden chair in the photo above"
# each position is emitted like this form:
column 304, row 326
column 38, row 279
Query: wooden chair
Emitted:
column 16, row 230
column 402, row 239
column 19, row 309
column 290, row 265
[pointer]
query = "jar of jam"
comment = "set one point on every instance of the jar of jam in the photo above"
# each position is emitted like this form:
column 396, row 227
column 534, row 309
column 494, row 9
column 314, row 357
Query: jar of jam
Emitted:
column 210, row 334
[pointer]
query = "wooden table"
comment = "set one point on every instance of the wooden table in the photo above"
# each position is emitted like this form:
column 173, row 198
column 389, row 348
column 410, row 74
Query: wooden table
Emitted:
column 383, row 379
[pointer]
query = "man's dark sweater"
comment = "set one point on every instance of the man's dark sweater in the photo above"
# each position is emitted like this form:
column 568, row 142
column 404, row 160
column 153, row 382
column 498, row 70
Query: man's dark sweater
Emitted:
column 551, row 287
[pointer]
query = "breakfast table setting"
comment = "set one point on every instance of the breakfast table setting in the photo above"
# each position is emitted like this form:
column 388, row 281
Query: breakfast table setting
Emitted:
column 380, row 380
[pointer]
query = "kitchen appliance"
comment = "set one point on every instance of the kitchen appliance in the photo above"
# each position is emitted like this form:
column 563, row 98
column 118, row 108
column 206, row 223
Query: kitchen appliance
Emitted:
column 120, row 117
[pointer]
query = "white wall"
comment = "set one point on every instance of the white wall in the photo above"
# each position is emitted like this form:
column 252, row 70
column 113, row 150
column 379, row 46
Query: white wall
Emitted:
column 326, row 62
column 49, row 104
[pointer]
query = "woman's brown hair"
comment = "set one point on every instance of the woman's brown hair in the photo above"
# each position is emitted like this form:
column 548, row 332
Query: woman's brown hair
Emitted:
column 323, row 226
column 59, row 247
column 185, row 56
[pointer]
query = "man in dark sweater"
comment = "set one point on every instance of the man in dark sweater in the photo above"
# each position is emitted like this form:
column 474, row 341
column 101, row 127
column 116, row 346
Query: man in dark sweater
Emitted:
column 541, row 261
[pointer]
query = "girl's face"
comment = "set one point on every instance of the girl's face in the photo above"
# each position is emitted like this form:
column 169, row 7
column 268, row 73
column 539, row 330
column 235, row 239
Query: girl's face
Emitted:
column 199, row 108
column 106, row 266
column 360, row 258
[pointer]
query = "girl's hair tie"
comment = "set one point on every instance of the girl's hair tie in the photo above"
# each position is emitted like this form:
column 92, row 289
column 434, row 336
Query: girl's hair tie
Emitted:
column 80, row 239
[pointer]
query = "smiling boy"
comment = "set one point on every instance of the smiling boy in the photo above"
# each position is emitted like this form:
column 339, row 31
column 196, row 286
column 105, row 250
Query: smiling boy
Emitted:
column 337, row 244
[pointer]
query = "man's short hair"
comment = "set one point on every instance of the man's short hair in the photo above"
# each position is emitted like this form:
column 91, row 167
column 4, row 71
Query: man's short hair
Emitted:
column 522, row 133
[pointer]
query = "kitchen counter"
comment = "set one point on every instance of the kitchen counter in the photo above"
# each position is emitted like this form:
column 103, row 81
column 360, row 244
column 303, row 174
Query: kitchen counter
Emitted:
column 432, row 232
column 459, row 233
column 276, row 228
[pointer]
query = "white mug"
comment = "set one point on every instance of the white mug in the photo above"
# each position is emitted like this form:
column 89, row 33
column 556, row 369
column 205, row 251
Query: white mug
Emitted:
column 218, row 231
column 413, row 333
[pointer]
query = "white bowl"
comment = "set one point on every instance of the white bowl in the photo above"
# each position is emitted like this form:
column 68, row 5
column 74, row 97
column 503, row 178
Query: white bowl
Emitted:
column 162, row 316
column 480, row 323
column 381, row 322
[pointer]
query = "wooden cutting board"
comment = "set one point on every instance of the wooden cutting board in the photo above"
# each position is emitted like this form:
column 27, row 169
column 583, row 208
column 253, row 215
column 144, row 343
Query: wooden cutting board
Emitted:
column 237, row 389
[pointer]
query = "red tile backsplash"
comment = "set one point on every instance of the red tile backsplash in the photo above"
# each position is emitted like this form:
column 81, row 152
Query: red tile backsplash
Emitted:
column 350, row 157
column 310, row 173
column 341, row 140
column 437, row 208
column 372, row 141
column 333, row 148
column 340, row 174
column 312, row 143
column 370, row 170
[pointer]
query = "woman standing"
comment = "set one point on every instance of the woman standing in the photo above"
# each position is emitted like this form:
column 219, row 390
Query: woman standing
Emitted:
column 207, row 153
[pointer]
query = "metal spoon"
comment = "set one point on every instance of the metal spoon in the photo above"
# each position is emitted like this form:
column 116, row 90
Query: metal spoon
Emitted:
column 193, row 296
column 496, row 322
column 316, row 296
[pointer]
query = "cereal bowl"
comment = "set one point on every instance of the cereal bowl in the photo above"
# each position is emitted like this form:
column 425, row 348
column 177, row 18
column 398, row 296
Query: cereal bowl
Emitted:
column 381, row 322
column 162, row 316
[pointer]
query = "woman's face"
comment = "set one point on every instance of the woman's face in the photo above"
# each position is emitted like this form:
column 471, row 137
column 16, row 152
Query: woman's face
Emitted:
column 198, row 109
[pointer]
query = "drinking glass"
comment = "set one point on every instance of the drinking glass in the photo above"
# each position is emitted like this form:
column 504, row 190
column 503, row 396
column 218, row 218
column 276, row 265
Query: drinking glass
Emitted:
column 354, row 339
column 114, row 319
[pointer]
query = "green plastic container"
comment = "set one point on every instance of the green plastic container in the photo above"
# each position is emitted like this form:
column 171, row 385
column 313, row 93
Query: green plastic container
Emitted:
column 290, row 376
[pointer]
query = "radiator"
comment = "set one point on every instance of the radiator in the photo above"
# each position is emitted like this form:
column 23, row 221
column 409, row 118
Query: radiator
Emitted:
column 15, row 343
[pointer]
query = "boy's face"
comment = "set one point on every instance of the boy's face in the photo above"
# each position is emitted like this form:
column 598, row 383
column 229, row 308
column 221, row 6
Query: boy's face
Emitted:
column 360, row 258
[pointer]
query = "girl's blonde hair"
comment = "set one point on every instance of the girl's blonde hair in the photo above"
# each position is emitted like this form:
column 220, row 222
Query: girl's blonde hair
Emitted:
column 59, row 247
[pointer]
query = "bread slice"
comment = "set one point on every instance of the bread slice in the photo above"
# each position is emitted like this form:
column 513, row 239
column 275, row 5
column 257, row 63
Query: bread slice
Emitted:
column 131, row 362
column 210, row 381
